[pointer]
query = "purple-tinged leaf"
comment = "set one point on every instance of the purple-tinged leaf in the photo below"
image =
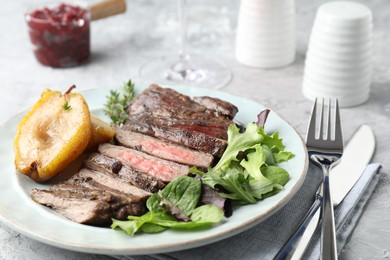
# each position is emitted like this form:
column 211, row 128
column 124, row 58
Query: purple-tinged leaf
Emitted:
column 262, row 117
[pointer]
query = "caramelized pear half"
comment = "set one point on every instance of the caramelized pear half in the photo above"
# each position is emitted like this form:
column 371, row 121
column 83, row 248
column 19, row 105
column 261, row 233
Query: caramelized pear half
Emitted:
column 52, row 134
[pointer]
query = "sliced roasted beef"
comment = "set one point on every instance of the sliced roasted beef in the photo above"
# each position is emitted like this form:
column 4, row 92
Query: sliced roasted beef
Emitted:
column 141, row 179
column 154, row 166
column 102, row 163
column 168, row 109
column 194, row 140
column 166, row 102
column 99, row 162
column 215, row 129
column 77, row 208
column 127, row 204
column 109, row 181
column 92, row 197
column 217, row 104
column 88, row 206
column 163, row 149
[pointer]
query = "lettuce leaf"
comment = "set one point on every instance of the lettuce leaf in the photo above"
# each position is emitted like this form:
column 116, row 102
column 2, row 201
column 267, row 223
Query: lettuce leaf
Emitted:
column 238, row 142
column 248, row 169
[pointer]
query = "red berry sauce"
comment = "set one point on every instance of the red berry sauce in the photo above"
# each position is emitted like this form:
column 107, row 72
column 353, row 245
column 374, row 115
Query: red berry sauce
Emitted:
column 60, row 35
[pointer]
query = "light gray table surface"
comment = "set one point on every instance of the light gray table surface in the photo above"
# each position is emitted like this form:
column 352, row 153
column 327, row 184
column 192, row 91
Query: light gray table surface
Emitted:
column 121, row 44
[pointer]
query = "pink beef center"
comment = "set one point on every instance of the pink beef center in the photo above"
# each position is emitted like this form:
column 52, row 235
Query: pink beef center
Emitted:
column 153, row 168
column 173, row 152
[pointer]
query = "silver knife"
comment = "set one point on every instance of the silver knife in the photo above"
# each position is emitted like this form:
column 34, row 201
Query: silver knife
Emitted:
column 356, row 156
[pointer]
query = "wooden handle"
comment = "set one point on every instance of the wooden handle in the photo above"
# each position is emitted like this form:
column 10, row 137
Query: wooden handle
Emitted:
column 107, row 8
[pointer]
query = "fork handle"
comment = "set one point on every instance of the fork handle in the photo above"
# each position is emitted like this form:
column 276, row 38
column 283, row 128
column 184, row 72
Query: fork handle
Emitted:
column 328, row 234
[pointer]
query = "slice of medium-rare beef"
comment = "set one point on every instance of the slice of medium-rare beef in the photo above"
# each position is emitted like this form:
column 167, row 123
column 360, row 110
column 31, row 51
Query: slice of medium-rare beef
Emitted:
column 154, row 166
column 194, row 140
column 105, row 180
column 163, row 149
column 102, row 163
column 224, row 107
column 167, row 107
column 87, row 206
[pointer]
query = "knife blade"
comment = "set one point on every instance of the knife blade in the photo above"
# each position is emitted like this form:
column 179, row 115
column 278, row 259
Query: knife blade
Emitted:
column 357, row 154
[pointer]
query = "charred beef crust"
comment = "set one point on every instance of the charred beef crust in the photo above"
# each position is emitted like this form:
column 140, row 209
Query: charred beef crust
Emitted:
column 166, row 102
column 217, row 104
column 141, row 180
column 99, row 162
column 212, row 128
column 102, row 163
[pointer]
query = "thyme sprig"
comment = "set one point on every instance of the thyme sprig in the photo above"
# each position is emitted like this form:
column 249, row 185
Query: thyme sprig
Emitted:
column 118, row 102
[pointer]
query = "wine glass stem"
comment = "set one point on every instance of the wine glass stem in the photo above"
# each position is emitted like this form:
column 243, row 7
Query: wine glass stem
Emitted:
column 182, row 12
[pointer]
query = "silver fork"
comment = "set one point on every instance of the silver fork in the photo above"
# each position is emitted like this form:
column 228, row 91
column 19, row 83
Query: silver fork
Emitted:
column 325, row 150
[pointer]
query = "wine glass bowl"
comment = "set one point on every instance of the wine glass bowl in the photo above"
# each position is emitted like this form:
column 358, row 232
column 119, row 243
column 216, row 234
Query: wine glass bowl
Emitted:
column 183, row 68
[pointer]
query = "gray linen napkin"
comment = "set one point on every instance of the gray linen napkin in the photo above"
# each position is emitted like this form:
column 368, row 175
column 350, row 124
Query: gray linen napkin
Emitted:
column 265, row 240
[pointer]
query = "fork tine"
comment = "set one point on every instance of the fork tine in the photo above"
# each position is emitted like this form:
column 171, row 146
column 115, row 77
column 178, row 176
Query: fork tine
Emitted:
column 330, row 125
column 338, row 132
column 321, row 134
column 311, row 131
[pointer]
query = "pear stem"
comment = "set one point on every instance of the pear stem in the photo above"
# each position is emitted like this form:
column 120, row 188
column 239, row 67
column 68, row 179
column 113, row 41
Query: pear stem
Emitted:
column 70, row 89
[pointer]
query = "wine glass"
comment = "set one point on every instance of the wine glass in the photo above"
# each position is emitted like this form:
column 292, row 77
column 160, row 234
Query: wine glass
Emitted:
column 183, row 68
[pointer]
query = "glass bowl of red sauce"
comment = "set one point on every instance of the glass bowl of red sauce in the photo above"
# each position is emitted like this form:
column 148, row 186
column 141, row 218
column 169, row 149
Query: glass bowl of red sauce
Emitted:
column 60, row 34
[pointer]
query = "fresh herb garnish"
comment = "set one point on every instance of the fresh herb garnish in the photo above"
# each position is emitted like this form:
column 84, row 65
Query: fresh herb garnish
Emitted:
column 66, row 106
column 118, row 102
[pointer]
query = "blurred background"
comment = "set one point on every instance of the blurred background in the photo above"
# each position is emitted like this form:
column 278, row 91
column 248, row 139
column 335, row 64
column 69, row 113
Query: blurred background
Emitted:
column 149, row 29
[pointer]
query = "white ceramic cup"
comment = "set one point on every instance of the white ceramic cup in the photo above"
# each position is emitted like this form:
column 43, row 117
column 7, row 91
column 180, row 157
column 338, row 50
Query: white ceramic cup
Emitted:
column 266, row 33
column 338, row 60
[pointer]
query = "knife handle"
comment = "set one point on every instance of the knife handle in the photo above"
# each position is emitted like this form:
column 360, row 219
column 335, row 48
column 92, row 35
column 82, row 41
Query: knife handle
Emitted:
column 298, row 242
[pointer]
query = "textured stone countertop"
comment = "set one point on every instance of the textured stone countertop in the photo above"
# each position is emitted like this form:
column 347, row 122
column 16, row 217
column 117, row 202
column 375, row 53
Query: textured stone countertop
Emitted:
column 121, row 44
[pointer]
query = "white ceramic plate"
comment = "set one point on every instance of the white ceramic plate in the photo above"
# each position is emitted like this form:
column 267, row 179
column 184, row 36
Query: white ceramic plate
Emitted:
column 19, row 212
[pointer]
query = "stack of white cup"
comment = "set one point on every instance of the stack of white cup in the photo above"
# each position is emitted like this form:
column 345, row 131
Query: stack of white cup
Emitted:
column 338, row 61
column 266, row 33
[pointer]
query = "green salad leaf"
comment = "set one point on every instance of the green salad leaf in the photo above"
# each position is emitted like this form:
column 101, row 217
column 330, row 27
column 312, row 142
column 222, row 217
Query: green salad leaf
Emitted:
column 238, row 142
column 181, row 196
column 248, row 169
